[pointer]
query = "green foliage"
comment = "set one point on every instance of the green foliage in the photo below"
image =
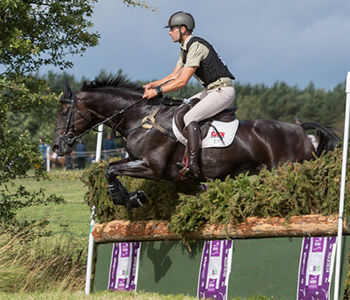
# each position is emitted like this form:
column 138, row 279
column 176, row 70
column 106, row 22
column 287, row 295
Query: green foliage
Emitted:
column 142, row 4
column 52, row 28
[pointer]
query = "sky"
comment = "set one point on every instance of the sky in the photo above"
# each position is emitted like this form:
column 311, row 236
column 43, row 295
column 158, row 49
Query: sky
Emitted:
column 261, row 41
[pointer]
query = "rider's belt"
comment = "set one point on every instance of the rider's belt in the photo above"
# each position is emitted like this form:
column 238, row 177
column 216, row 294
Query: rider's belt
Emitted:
column 221, row 85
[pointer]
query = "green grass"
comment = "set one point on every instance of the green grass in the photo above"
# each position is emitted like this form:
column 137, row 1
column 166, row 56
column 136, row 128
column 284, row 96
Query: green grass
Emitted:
column 66, row 184
column 71, row 218
column 106, row 296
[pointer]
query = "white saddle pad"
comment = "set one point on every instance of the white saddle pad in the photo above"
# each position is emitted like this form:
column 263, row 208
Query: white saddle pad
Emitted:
column 227, row 131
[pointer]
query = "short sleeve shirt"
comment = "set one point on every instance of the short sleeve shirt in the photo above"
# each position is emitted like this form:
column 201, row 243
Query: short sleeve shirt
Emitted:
column 197, row 53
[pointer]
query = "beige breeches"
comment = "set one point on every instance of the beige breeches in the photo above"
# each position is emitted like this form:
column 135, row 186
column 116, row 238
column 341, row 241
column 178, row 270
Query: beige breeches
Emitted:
column 212, row 102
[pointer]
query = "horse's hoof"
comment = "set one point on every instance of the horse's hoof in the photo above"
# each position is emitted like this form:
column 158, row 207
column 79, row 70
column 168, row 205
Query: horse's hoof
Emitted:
column 136, row 199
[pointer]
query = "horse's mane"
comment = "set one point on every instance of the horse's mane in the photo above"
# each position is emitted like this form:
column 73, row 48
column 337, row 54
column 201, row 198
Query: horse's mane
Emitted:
column 122, row 82
column 110, row 82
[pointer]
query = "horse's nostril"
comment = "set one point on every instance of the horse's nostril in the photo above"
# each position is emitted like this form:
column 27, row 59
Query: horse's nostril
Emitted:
column 55, row 148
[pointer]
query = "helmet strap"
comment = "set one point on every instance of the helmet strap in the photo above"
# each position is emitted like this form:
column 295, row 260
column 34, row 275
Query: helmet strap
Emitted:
column 181, row 35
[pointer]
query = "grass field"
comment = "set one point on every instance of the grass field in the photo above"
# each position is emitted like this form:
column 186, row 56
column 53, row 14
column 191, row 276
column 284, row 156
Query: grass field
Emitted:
column 106, row 296
column 72, row 218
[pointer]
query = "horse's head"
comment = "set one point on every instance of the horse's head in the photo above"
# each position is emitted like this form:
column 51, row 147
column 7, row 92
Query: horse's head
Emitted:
column 73, row 120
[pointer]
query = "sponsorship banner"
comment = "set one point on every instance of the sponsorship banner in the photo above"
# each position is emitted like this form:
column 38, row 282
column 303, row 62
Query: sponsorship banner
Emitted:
column 124, row 266
column 316, row 267
column 215, row 269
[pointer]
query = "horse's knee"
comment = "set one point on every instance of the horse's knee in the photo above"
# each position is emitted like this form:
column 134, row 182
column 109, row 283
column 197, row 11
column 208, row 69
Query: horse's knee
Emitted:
column 109, row 174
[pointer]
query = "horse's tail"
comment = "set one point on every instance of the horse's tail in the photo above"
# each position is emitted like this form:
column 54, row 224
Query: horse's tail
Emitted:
column 326, row 138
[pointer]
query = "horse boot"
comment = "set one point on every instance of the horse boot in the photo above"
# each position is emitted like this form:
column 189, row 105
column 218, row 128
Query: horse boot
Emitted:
column 120, row 196
column 118, row 192
column 193, row 136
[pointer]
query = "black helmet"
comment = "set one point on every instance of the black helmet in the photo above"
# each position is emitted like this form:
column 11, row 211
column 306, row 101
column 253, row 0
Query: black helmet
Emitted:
column 181, row 18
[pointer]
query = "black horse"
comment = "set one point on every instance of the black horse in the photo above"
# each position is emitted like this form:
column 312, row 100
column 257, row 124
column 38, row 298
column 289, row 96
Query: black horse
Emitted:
column 146, row 126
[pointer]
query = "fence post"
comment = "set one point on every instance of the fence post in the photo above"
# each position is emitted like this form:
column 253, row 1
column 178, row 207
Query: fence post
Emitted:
column 90, row 253
column 342, row 189
column 92, row 220
column 99, row 143
column 48, row 149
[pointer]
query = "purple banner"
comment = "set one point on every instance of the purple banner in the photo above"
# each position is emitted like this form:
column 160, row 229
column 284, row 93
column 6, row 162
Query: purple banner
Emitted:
column 215, row 269
column 124, row 266
column 316, row 267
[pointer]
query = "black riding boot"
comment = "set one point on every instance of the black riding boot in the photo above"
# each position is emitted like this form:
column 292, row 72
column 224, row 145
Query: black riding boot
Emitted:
column 193, row 136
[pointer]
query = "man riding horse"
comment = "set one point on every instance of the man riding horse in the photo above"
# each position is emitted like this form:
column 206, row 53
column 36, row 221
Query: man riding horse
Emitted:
column 197, row 58
column 150, row 127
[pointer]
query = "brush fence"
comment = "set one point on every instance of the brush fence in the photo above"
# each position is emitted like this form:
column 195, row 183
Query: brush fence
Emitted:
column 284, row 258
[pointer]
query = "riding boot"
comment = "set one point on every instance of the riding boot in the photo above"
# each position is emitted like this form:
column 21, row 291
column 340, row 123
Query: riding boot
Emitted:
column 192, row 134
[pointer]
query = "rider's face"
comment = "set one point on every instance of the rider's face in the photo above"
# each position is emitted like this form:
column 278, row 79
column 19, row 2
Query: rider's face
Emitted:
column 174, row 32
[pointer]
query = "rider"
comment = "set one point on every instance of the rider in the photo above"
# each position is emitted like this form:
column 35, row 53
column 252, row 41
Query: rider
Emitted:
column 199, row 59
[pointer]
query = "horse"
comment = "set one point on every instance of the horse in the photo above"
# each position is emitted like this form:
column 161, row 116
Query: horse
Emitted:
column 153, row 150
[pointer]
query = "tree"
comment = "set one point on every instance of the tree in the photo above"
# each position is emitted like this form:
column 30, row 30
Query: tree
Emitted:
column 33, row 33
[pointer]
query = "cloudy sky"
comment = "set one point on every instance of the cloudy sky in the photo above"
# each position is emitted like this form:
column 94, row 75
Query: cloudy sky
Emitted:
column 262, row 41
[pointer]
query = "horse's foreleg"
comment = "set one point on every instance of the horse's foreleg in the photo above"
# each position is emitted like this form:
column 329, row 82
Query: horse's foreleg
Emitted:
column 135, row 168
column 119, row 193
column 121, row 196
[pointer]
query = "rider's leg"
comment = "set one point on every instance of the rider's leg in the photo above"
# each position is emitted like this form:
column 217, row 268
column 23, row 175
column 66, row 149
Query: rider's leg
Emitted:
column 192, row 134
column 212, row 102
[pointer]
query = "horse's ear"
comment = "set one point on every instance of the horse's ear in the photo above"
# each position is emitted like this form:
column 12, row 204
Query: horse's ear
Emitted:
column 67, row 92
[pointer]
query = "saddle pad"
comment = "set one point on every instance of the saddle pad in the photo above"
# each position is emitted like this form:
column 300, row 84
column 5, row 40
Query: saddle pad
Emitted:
column 227, row 130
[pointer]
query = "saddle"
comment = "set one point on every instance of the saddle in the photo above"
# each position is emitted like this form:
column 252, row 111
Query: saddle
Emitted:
column 227, row 115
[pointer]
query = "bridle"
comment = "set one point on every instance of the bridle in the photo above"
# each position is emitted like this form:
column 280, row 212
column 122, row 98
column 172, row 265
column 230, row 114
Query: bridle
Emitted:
column 69, row 136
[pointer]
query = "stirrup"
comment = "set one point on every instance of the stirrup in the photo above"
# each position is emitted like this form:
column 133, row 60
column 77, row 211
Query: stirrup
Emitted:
column 184, row 169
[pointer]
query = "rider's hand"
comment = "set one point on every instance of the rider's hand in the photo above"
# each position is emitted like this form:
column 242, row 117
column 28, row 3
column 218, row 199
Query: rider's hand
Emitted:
column 147, row 86
column 149, row 93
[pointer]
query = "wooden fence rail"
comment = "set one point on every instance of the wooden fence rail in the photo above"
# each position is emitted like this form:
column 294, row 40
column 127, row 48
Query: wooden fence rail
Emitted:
column 308, row 225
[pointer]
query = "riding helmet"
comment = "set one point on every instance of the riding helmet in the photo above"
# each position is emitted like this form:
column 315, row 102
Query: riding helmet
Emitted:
column 181, row 18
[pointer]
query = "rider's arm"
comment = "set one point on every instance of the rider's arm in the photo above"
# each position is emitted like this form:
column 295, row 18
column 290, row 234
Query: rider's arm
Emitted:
column 182, row 76
column 178, row 79
column 171, row 76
